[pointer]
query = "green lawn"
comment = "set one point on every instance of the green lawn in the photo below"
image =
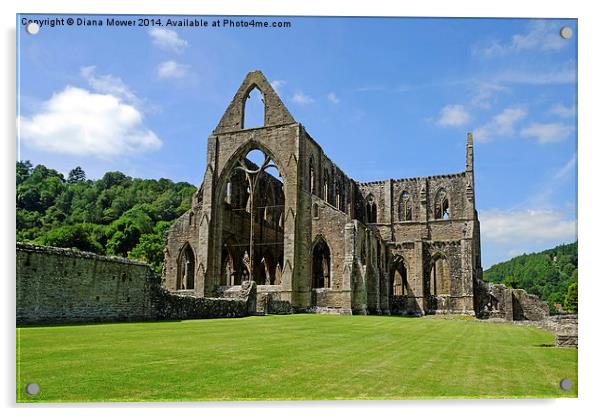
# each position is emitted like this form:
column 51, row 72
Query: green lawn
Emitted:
column 295, row 357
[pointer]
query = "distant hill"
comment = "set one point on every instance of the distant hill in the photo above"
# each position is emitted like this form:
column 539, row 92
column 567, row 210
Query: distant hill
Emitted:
column 550, row 274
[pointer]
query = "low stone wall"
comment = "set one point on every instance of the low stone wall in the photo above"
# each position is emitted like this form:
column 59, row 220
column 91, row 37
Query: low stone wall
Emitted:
column 56, row 285
column 168, row 305
column 565, row 327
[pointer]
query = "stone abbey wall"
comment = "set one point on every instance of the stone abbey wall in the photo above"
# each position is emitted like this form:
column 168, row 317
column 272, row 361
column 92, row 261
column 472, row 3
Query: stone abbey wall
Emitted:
column 56, row 285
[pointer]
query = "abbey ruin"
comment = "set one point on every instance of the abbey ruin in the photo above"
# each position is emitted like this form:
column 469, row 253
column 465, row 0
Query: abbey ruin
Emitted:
column 312, row 238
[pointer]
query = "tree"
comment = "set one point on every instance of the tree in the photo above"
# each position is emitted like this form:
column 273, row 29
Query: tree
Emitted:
column 24, row 169
column 77, row 236
column 510, row 281
column 571, row 299
column 76, row 175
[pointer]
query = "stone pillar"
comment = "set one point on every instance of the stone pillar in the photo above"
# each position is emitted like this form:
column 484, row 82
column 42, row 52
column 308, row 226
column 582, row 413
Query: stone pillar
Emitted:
column 388, row 206
column 419, row 278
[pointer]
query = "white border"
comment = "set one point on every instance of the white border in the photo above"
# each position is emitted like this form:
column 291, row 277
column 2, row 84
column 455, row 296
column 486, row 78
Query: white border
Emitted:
column 589, row 193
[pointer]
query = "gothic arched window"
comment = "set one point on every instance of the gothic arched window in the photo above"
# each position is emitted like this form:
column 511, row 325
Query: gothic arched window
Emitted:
column 405, row 207
column 441, row 205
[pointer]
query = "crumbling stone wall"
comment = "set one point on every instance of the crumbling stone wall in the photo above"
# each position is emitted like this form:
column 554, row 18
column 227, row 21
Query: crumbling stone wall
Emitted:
column 61, row 285
column 56, row 285
column 500, row 302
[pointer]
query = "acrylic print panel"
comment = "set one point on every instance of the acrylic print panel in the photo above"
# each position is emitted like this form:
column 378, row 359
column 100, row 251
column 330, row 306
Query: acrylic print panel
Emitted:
column 215, row 208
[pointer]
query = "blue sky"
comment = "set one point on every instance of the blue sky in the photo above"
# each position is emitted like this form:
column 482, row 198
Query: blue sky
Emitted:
column 385, row 97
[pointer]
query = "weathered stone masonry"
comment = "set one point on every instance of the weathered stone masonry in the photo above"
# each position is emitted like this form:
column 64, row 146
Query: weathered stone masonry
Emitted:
column 61, row 285
column 322, row 241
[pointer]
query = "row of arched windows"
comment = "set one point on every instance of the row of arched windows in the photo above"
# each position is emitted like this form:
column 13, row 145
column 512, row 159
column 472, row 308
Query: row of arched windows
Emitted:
column 405, row 211
column 438, row 283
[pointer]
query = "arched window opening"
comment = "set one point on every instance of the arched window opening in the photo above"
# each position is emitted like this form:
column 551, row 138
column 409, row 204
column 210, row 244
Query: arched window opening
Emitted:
column 312, row 176
column 228, row 197
column 253, row 229
column 321, row 265
column 400, row 278
column 254, row 110
column 405, row 207
column 442, row 205
column 371, row 210
column 440, row 277
column 228, row 276
column 326, row 188
column 185, row 277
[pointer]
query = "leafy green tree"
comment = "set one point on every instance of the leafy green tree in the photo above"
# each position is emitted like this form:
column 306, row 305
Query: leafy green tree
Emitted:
column 76, row 174
column 24, row 169
column 510, row 281
column 77, row 236
column 150, row 247
column 571, row 299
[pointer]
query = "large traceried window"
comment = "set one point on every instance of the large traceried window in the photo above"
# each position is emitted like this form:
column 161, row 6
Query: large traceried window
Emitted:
column 252, row 225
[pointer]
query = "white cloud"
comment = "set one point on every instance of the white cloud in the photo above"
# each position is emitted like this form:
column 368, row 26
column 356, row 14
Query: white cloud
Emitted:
column 167, row 39
column 541, row 36
column 78, row 122
column 332, row 97
column 453, row 115
column 300, row 98
column 502, row 125
column 526, row 226
column 277, row 84
column 547, row 132
column 172, row 69
column 108, row 84
column 563, row 111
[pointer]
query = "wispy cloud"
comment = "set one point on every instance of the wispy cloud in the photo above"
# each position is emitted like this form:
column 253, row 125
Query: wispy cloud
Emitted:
column 541, row 35
column 547, row 132
column 108, row 84
column 300, row 98
column 485, row 92
column 172, row 69
column 277, row 84
column 453, row 115
column 537, row 77
column 332, row 97
column 167, row 39
column 563, row 111
column 501, row 125
column 569, row 167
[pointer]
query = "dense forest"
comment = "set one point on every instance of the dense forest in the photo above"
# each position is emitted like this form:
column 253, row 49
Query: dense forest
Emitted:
column 115, row 215
column 550, row 274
